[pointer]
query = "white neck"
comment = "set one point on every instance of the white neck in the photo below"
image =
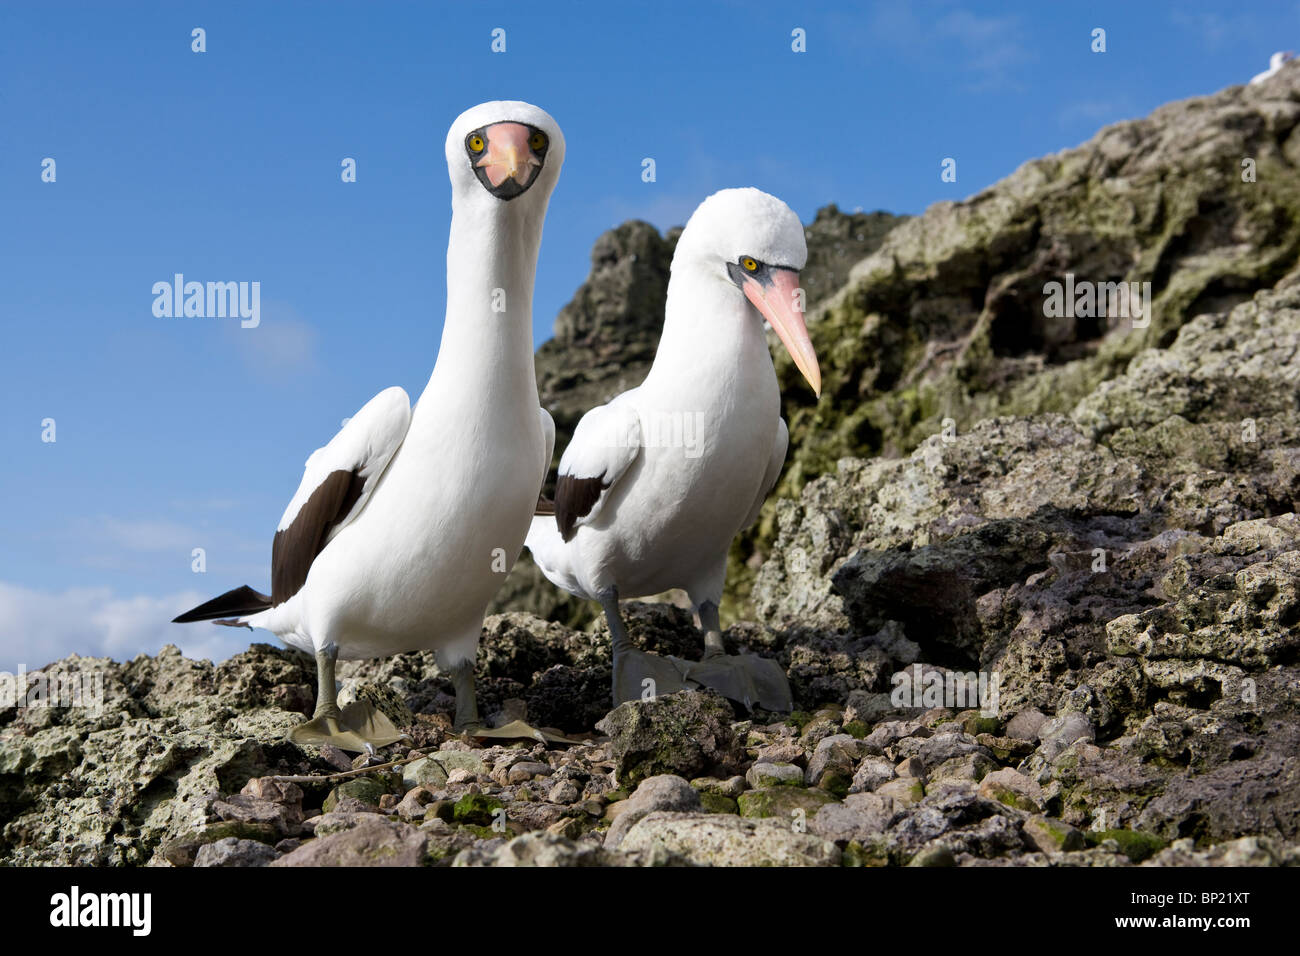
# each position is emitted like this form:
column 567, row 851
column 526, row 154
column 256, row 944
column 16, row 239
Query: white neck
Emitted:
column 710, row 331
column 487, row 336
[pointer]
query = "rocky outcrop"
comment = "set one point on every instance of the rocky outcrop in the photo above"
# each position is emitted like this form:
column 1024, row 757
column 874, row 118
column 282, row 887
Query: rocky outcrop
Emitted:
column 947, row 320
column 1130, row 568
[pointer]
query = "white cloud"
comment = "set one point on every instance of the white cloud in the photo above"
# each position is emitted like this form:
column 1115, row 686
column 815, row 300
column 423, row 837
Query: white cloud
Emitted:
column 283, row 344
column 40, row 627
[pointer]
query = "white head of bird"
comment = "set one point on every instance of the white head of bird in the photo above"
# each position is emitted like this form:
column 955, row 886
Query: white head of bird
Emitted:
column 754, row 244
column 504, row 158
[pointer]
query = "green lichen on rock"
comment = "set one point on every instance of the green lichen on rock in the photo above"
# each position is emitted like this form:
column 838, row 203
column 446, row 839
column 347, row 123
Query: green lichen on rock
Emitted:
column 782, row 802
column 1137, row 846
column 477, row 809
column 685, row 734
column 368, row 790
column 717, row 803
column 946, row 319
column 856, row 854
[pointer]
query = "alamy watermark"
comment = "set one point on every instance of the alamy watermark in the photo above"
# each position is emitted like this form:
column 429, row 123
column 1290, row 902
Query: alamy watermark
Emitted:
column 1087, row 300
column 921, row 688
column 53, row 688
column 676, row 429
column 211, row 300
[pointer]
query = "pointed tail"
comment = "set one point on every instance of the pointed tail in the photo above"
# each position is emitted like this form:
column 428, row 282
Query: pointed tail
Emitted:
column 240, row 602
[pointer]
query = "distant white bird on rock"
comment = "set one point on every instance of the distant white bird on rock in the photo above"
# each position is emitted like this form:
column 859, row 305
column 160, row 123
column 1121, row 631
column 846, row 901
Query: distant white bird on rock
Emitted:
column 1274, row 64
column 657, row 483
column 406, row 522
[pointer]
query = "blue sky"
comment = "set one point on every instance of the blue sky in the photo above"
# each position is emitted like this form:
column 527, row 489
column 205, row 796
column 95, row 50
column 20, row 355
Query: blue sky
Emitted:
column 175, row 434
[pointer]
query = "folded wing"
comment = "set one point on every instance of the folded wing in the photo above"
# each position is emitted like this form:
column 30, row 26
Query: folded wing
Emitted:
column 605, row 444
column 336, row 482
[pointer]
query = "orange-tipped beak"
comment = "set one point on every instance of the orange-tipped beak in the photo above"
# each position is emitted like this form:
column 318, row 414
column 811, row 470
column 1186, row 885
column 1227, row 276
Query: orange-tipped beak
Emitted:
column 508, row 155
column 781, row 303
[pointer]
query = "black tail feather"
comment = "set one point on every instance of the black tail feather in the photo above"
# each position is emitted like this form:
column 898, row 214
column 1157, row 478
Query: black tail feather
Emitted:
column 237, row 603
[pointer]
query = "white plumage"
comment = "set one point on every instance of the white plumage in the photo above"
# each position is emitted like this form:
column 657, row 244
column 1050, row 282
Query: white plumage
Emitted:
column 365, row 445
column 656, row 484
column 406, row 523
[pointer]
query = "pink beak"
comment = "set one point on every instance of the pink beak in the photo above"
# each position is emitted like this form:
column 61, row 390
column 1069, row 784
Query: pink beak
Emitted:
column 781, row 303
column 508, row 155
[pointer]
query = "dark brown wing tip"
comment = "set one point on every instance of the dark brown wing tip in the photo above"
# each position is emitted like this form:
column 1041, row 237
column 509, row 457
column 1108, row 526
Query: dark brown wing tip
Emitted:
column 574, row 499
column 293, row 549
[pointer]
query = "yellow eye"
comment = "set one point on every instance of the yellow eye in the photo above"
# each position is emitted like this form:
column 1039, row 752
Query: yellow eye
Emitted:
column 476, row 143
column 537, row 142
column 749, row 264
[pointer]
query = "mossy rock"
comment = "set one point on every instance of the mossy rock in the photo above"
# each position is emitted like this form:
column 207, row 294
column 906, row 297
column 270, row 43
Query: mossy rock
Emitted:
column 717, row 803
column 934, row 856
column 240, row 830
column 855, row 854
column 685, row 734
column 976, row 725
column 798, row 719
column 1135, row 845
column 857, row 729
column 765, row 774
column 366, row 789
column 425, row 772
column 482, row 832
column 182, row 850
column 477, row 809
column 1010, row 798
column 1053, row 836
column 781, row 802
column 836, row 783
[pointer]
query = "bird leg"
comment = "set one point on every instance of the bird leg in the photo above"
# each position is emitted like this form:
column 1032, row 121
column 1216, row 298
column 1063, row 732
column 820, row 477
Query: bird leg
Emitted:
column 327, row 696
column 358, row 727
column 462, row 680
column 638, row 675
column 467, row 718
column 746, row 678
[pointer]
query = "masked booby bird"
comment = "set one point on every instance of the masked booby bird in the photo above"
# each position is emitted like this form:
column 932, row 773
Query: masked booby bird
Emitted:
column 655, row 484
column 405, row 524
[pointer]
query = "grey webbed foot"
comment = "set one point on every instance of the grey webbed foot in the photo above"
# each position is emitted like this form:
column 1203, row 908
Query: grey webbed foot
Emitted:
column 746, row 678
column 517, row 730
column 637, row 673
column 359, row 727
